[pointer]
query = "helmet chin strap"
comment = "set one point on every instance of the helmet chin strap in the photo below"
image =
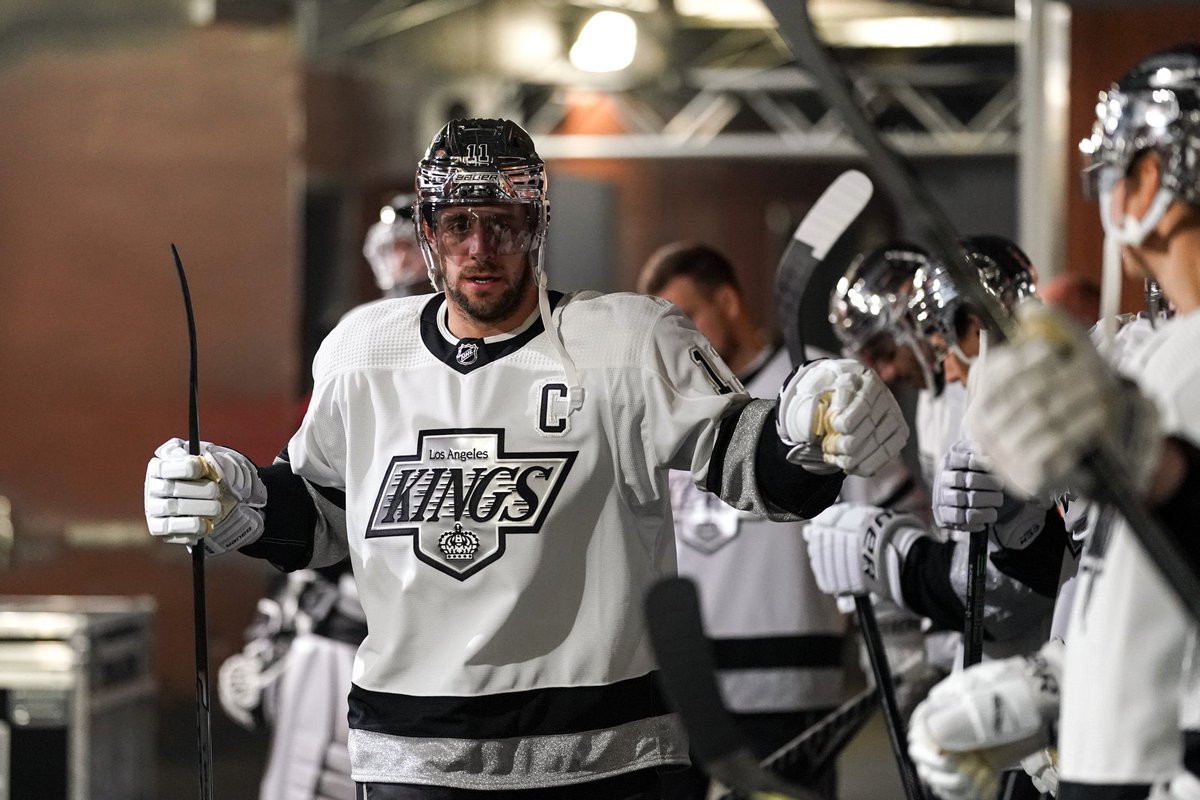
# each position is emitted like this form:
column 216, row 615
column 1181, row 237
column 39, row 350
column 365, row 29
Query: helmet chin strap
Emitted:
column 906, row 339
column 574, row 387
column 961, row 356
column 1129, row 232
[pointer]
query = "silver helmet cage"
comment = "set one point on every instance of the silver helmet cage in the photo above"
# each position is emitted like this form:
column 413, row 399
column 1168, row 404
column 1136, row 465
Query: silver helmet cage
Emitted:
column 1155, row 107
column 480, row 162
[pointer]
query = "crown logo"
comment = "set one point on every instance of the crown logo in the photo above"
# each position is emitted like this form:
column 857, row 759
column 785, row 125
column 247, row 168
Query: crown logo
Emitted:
column 458, row 544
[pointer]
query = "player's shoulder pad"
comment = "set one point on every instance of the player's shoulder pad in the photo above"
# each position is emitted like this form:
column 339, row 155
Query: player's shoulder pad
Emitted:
column 611, row 327
column 370, row 332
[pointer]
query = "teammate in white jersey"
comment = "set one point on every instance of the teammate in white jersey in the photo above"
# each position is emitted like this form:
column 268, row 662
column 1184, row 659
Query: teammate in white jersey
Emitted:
column 857, row 549
column 778, row 651
column 494, row 459
column 870, row 316
column 1128, row 722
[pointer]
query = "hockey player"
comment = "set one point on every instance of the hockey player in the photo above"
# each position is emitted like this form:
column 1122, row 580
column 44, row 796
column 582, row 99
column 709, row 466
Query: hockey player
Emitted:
column 778, row 652
column 1128, row 669
column 870, row 315
column 392, row 251
column 857, row 549
column 493, row 458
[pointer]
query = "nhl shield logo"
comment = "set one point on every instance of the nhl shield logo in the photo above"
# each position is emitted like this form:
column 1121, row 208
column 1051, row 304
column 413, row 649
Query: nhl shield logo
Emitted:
column 702, row 521
column 468, row 353
column 462, row 493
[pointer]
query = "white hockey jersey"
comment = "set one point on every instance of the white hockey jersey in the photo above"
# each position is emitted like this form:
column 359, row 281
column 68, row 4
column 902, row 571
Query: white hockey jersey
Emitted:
column 776, row 637
column 502, row 544
column 1125, row 645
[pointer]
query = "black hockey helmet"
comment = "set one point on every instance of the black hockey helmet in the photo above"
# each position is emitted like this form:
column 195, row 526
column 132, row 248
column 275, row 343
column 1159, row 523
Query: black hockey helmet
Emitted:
column 481, row 162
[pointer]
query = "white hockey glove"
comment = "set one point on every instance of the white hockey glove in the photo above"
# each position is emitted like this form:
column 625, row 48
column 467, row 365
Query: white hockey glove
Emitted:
column 1046, row 400
column 1183, row 786
column 968, row 496
column 856, row 549
column 983, row 720
column 1042, row 769
column 835, row 413
column 216, row 496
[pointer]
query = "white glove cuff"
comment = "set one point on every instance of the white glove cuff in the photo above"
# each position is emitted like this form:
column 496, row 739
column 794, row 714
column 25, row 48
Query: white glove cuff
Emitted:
column 244, row 525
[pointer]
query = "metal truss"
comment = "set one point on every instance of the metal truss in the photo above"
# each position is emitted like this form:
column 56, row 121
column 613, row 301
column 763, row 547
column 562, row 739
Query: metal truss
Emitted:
column 926, row 111
column 718, row 90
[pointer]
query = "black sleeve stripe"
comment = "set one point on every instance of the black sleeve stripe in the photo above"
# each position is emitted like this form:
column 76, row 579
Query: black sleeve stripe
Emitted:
column 1038, row 565
column 787, row 485
column 1068, row 790
column 1179, row 512
column 291, row 520
column 925, row 584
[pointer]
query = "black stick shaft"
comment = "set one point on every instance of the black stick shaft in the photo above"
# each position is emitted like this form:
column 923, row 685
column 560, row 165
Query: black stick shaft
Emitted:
column 893, row 721
column 199, row 604
column 977, row 554
column 1112, row 484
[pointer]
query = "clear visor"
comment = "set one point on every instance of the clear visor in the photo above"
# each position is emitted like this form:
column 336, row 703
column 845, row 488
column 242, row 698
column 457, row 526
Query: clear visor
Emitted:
column 462, row 230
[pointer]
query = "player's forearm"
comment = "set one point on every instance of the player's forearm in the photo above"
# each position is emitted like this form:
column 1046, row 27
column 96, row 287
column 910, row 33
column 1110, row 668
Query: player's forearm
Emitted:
column 789, row 486
column 291, row 520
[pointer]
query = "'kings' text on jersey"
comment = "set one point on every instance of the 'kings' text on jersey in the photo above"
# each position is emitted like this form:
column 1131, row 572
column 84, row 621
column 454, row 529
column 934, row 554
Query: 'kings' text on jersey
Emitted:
column 461, row 493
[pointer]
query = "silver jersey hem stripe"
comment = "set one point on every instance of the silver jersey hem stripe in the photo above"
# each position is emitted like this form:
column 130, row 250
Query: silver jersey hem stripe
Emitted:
column 519, row 763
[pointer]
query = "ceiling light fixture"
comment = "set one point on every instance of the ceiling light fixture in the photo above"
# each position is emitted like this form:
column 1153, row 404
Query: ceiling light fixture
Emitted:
column 607, row 43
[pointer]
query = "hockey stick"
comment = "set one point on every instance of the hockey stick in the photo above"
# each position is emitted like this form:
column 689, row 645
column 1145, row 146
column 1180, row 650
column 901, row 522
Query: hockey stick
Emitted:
column 977, row 559
column 808, row 755
column 1110, row 482
column 199, row 605
column 687, row 673
column 837, row 207
column 824, row 224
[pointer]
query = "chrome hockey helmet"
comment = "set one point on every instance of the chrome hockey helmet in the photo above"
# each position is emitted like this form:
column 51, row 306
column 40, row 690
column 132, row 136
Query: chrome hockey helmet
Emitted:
column 938, row 306
column 1155, row 107
column 481, row 162
column 869, row 306
column 872, row 297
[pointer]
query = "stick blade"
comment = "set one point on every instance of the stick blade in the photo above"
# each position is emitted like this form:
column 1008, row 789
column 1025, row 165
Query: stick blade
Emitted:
column 835, row 210
column 687, row 673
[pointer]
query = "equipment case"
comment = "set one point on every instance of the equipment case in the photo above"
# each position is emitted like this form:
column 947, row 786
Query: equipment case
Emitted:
column 77, row 716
